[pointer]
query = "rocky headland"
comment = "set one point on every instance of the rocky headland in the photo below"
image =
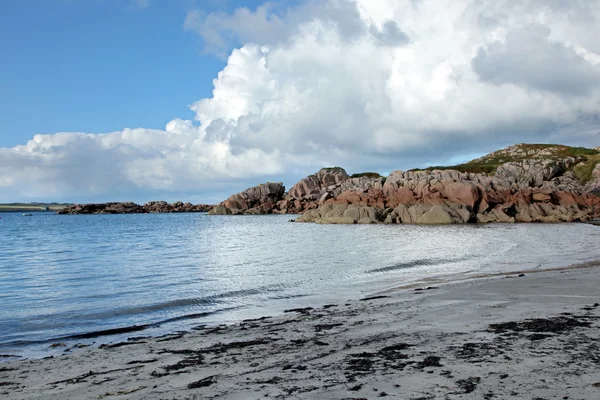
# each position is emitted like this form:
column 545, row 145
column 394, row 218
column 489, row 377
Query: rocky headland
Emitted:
column 133, row 208
column 521, row 183
column 261, row 199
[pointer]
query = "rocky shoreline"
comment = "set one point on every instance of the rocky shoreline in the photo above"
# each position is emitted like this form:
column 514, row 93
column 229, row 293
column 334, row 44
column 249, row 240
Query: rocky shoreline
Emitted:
column 133, row 208
column 522, row 183
column 524, row 336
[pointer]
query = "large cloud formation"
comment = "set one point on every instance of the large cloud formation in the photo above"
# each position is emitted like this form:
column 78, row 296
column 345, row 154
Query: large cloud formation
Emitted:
column 364, row 84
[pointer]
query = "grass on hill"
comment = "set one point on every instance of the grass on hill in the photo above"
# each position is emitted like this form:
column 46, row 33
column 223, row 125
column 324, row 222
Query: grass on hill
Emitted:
column 473, row 168
column 374, row 175
column 583, row 172
column 558, row 152
column 489, row 163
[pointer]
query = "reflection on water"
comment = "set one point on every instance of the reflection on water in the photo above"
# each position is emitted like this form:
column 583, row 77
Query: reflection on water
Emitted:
column 67, row 275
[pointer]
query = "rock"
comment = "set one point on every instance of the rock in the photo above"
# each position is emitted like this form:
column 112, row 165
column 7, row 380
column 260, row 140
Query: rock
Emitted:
column 448, row 196
column 314, row 190
column 541, row 197
column 133, row 208
column 312, row 186
column 306, row 217
column 365, row 221
column 593, row 187
column 462, row 193
column 533, row 172
column 220, row 210
column 532, row 183
column 105, row 208
column 177, row 207
column 259, row 199
column 336, row 220
column 324, row 197
column 352, row 212
column 464, row 215
column 437, row 215
column 496, row 215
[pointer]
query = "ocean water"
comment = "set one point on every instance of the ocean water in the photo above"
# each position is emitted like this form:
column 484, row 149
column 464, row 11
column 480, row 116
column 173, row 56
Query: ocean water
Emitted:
column 69, row 278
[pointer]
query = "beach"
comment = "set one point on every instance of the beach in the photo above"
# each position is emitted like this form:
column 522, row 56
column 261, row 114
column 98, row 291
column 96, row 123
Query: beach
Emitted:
column 518, row 336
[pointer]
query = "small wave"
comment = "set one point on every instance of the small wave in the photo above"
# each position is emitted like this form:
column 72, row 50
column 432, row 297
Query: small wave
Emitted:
column 192, row 316
column 63, row 320
column 291, row 296
column 424, row 262
column 76, row 336
column 113, row 331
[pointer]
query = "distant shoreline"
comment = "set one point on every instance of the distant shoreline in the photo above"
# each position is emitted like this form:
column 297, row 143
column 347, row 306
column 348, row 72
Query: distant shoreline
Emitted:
column 151, row 207
column 32, row 207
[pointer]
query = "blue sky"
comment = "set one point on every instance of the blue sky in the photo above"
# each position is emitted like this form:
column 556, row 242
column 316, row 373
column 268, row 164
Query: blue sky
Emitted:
column 100, row 65
column 197, row 99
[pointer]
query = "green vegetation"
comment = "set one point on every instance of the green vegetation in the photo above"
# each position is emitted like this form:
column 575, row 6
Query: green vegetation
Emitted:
column 29, row 207
column 583, row 172
column 489, row 163
column 473, row 168
column 374, row 175
column 557, row 151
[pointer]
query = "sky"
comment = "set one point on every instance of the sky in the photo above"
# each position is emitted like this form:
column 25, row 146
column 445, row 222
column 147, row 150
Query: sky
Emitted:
column 115, row 100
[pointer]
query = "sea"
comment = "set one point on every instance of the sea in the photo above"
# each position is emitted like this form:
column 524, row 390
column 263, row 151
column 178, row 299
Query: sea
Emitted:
column 94, row 279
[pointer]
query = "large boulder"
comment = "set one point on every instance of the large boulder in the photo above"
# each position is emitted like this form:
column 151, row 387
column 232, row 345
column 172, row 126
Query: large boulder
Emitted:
column 220, row 210
column 533, row 172
column 260, row 199
column 462, row 192
column 312, row 186
column 342, row 214
column 593, row 187
column 442, row 215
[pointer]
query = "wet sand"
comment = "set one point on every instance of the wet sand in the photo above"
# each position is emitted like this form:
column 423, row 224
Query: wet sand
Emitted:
column 535, row 336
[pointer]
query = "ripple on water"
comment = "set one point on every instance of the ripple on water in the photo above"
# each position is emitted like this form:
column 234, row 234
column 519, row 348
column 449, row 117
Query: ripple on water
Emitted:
column 70, row 275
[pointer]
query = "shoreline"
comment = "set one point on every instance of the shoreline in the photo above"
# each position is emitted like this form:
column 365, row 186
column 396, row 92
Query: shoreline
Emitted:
column 482, row 277
column 429, row 342
column 60, row 345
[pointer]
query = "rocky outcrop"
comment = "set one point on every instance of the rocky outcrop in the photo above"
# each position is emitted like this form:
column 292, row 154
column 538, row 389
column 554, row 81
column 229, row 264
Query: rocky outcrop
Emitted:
column 533, row 172
column 313, row 190
column 522, row 183
column 261, row 199
column 524, row 151
column 348, row 191
column 593, row 187
column 133, row 208
column 104, row 208
column 312, row 186
column 177, row 207
column 358, row 214
column 520, row 190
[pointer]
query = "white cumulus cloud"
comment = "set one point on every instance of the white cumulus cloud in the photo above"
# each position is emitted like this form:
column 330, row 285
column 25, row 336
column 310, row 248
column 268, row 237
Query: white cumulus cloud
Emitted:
column 363, row 84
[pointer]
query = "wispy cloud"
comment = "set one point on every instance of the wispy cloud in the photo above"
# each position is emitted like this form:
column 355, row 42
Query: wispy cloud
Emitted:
column 141, row 4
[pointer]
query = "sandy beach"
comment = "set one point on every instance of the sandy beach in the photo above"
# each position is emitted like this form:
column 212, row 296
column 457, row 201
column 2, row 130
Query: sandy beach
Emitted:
column 531, row 336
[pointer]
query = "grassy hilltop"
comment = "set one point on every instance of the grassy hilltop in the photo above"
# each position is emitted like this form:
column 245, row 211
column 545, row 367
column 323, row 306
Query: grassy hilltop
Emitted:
column 587, row 158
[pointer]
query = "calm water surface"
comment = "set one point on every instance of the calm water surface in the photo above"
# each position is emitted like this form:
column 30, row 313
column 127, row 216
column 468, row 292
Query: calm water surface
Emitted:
column 69, row 275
